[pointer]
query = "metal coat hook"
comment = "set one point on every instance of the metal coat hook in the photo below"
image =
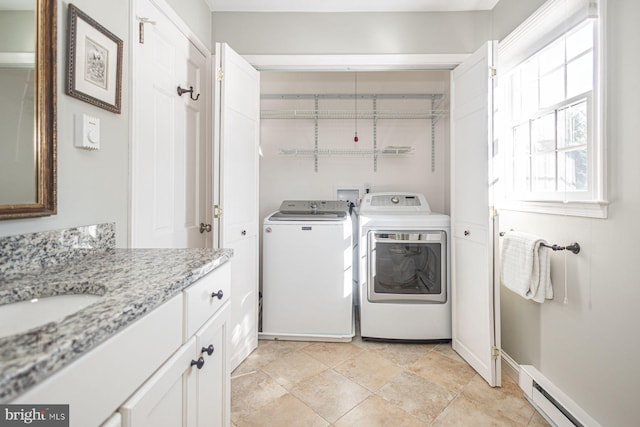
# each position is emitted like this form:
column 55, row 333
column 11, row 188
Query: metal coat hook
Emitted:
column 189, row 91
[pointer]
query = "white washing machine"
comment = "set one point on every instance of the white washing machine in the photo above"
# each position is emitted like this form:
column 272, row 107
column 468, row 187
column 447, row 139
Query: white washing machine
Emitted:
column 404, row 275
column 307, row 277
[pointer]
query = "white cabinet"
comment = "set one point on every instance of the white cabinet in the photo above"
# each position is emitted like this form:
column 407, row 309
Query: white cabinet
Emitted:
column 213, row 381
column 152, row 366
column 192, row 388
column 162, row 400
column 114, row 369
column 114, row 421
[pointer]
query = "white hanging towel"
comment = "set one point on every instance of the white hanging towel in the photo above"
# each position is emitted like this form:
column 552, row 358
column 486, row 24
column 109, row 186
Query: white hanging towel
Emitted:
column 526, row 268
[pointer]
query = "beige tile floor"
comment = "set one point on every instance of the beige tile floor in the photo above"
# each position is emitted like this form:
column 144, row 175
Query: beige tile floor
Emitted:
column 289, row 383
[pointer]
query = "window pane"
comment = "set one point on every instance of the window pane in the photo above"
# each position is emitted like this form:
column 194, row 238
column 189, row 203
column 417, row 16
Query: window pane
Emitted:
column 552, row 57
column 552, row 88
column 580, row 41
column 515, row 99
column 521, row 174
column 580, row 75
column 529, row 92
column 543, row 133
column 572, row 125
column 544, row 172
column 572, row 170
column 521, row 140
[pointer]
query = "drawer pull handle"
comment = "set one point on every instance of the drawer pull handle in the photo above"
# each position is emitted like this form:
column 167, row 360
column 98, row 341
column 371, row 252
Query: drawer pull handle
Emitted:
column 467, row 232
column 199, row 363
column 208, row 350
column 218, row 294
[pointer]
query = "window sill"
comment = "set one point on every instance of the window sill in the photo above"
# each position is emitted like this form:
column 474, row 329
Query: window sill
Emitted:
column 581, row 209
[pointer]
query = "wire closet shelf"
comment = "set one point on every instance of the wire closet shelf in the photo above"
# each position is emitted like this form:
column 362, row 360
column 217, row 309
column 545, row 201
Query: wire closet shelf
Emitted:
column 433, row 113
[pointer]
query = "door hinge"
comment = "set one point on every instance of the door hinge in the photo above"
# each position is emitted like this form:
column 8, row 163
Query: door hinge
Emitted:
column 141, row 28
column 217, row 211
column 493, row 213
column 219, row 74
column 492, row 72
column 495, row 352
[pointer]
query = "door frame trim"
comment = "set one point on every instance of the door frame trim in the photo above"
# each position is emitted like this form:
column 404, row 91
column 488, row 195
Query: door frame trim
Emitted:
column 391, row 62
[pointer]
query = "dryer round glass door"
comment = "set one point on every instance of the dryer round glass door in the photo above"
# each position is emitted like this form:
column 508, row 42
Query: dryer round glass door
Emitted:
column 407, row 266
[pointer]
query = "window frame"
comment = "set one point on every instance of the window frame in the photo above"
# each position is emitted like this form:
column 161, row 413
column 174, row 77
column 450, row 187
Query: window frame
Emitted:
column 590, row 203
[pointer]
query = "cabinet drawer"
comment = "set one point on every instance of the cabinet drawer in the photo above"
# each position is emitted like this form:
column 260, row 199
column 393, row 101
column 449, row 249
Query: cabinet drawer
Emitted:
column 199, row 304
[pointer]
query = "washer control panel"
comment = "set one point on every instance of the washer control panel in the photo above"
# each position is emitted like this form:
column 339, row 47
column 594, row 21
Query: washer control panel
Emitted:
column 313, row 207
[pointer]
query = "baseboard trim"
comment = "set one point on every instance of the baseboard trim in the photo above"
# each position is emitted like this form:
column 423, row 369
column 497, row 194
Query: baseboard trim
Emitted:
column 510, row 367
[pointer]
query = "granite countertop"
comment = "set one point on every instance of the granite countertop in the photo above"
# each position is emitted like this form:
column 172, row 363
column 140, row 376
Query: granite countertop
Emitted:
column 133, row 282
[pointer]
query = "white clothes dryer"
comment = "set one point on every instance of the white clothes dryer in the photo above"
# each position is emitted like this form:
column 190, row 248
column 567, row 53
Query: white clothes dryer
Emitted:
column 404, row 274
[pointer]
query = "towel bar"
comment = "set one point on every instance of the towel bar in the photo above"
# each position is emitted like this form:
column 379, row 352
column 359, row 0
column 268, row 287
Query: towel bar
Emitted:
column 574, row 247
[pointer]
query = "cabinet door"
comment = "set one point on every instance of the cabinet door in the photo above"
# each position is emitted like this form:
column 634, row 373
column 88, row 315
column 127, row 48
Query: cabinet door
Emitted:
column 213, row 397
column 237, row 135
column 475, row 293
column 165, row 399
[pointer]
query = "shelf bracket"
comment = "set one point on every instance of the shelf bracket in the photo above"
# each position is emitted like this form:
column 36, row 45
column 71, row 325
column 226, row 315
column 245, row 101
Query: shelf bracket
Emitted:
column 375, row 134
column 433, row 137
column 315, row 142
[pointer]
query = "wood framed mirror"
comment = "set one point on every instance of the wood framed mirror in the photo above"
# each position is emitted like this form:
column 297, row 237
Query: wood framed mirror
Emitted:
column 28, row 134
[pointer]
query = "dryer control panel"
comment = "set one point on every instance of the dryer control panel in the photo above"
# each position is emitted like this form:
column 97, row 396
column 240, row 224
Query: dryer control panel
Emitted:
column 394, row 202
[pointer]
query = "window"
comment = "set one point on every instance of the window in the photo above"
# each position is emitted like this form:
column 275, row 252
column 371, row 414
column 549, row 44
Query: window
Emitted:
column 551, row 133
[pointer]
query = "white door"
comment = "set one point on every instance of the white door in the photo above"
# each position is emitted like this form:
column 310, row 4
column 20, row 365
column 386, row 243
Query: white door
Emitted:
column 169, row 155
column 236, row 139
column 475, row 299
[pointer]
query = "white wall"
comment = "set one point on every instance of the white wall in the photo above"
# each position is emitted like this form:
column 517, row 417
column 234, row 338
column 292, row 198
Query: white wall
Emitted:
column 17, row 31
column 197, row 15
column 283, row 177
column 93, row 186
column 351, row 33
column 17, row 150
column 590, row 347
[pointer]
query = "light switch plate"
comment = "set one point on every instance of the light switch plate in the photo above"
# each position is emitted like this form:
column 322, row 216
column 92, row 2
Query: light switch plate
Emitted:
column 87, row 132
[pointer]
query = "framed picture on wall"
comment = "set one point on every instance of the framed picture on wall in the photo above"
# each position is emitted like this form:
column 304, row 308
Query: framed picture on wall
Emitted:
column 94, row 62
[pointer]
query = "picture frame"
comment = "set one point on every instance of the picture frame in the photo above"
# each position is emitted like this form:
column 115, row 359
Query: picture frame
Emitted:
column 94, row 62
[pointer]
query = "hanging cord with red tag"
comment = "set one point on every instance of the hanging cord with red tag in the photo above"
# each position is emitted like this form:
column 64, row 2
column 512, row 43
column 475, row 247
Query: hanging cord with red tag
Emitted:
column 355, row 138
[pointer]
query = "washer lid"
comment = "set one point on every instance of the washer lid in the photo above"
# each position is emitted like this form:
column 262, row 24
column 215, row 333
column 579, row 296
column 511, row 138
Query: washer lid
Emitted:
column 394, row 202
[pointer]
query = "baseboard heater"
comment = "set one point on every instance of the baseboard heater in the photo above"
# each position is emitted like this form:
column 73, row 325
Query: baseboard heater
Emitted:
column 550, row 401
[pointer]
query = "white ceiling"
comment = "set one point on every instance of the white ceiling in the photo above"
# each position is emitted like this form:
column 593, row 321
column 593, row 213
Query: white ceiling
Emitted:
column 349, row 5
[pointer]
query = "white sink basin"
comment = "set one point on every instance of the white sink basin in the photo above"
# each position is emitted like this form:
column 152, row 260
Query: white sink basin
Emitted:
column 21, row 316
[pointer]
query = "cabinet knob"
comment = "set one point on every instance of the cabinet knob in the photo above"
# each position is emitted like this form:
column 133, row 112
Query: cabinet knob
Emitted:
column 467, row 232
column 199, row 363
column 218, row 294
column 208, row 350
column 243, row 232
